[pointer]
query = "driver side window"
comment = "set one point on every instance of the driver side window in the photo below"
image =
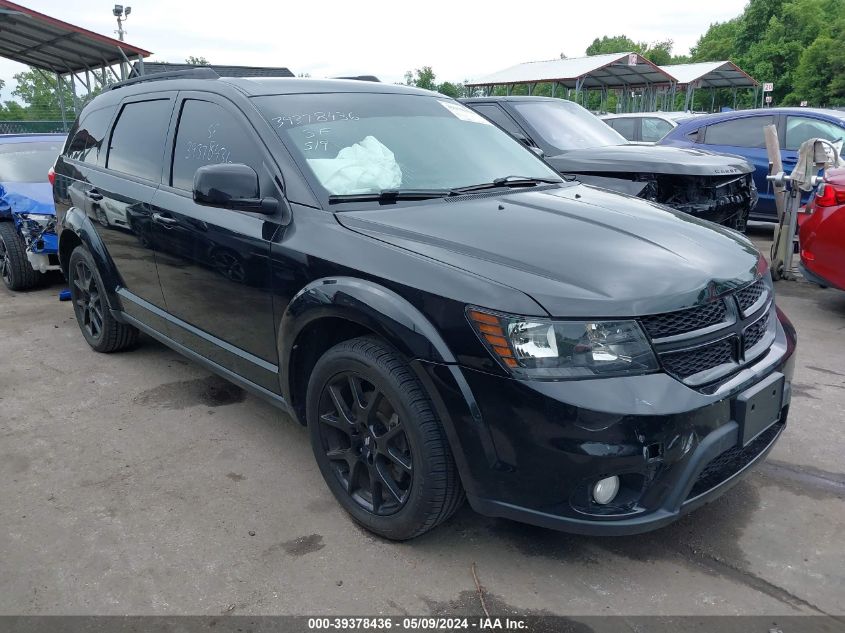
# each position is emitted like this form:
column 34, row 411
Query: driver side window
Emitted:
column 800, row 129
column 207, row 135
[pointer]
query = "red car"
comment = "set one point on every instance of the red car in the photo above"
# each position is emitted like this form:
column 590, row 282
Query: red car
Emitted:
column 822, row 233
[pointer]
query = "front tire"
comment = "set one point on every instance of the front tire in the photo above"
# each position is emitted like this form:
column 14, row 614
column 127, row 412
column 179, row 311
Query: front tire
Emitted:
column 378, row 442
column 15, row 269
column 101, row 330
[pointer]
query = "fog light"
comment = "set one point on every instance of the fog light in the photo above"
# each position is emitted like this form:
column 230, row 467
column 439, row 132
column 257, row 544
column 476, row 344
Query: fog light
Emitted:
column 605, row 490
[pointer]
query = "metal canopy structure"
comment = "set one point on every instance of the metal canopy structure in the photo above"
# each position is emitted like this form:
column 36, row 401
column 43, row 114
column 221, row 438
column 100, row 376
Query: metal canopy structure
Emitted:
column 641, row 84
column 71, row 53
column 713, row 75
column 626, row 72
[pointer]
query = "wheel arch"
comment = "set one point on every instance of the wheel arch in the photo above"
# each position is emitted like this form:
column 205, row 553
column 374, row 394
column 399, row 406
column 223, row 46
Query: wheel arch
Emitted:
column 330, row 310
column 77, row 230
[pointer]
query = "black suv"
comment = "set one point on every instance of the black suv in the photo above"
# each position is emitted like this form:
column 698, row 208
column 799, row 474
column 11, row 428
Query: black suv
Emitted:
column 445, row 313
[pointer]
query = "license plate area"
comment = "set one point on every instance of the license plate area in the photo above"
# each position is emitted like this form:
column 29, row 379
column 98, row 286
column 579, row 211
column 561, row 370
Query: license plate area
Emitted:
column 757, row 408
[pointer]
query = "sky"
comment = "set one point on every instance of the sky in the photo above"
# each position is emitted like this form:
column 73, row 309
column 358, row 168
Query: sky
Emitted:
column 459, row 40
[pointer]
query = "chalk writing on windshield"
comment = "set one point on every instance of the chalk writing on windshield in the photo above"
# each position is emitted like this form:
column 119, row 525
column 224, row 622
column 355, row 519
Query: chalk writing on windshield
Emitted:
column 292, row 120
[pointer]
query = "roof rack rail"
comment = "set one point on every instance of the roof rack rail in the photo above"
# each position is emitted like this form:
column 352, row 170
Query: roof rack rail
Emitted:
column 193, row 73
column 362, row 78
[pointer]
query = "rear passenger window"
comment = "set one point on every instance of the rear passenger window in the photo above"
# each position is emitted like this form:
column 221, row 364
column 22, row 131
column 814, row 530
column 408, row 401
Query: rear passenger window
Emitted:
column 208, row 134
column 137, row 143
column 88, row 137
column 801, row 128
column 654, row 129
column 626, row 126
column 745, row 132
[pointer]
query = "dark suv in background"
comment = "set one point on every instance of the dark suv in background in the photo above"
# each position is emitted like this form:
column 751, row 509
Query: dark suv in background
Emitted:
column 442, row 310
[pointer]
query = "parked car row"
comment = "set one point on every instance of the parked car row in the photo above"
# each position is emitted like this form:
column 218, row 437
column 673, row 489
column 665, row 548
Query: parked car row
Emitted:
column 741, row 133
column 575, row 142
column 451, row 316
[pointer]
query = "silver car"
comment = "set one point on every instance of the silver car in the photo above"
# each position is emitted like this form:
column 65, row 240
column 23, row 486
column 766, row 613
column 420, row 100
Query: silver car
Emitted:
column 646, row 127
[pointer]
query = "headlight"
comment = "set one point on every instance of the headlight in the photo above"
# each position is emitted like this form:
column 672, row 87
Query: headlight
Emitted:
column 552, row 349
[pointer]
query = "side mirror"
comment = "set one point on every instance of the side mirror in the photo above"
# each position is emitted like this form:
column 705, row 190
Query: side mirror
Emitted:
column 231, row 186
column 529, row 144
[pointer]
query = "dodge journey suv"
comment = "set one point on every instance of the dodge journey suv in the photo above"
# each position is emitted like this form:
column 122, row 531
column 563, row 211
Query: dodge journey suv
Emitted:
column 447, row 316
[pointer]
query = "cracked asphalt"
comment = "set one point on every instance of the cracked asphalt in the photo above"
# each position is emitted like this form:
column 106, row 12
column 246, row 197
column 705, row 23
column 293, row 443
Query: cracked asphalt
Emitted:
column 137, row 483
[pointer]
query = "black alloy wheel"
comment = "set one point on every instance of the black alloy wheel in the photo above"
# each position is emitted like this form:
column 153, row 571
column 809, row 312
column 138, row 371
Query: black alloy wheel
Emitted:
column 364, row 439
column 5, row 264
column 378, row 441
column 15, row 270
column 102, row 331
column 87, row 300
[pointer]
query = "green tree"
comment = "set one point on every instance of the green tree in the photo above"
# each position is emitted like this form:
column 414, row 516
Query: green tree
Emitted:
column 422, row 78
column 718, row 42
column 197, row 61
column 41, row 95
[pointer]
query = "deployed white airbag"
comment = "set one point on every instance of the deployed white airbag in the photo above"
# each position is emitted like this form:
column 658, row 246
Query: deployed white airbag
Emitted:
column 368, row 166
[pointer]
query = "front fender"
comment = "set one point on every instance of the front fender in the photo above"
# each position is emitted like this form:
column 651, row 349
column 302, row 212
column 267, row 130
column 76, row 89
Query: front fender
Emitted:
column 76, row 225
column 368, row 304
column 396, row 320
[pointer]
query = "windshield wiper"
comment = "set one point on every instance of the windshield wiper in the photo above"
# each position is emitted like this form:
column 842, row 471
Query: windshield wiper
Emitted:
column 388, row 196
column 508, row 181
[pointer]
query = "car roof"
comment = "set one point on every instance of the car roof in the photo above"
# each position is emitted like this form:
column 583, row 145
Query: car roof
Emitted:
column 519, row 98
column 257, row 86
column 31, row 138
column 669, row 116
column 707, row 119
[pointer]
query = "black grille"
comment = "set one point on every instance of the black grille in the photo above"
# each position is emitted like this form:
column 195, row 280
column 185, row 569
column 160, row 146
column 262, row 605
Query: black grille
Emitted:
column 732, row 461
column 689, row 362
column 754, row 333
column 682, row 321
column 749, row 295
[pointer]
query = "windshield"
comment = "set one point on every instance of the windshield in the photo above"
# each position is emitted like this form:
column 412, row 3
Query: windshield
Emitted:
column 28, row 162
column 566, row 126
column 360, row 143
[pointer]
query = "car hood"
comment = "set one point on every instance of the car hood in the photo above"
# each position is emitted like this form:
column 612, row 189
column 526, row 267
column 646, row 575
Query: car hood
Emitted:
column 26, row 197
column 577, row 250
column 655, row 159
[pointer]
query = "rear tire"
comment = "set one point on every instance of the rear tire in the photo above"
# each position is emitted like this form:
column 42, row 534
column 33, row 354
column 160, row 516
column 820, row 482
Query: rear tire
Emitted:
column 378, row 442
column 101, row 330
column 15, row 269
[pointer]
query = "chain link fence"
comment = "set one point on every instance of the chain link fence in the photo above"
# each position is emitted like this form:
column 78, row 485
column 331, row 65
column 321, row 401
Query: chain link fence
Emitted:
column 31, row 127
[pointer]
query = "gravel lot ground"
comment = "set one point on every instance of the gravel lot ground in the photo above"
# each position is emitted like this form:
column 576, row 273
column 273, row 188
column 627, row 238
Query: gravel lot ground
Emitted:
column 137, row 483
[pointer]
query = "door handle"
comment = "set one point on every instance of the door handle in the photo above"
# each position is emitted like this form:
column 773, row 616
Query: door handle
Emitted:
column 164, row 220
column 95, row 195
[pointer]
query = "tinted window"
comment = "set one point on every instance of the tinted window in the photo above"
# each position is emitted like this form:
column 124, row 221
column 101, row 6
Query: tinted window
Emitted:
column 137, row 143
column 801, row 128
column 744, row 132
column 565, row 125
column 28, row 162
column 626, row 126
column 499, row 117
column 208, row 134
column 89, row 134
column 655, row 129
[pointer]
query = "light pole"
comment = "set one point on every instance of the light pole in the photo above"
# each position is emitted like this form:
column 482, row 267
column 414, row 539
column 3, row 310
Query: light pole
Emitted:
column 121, row 14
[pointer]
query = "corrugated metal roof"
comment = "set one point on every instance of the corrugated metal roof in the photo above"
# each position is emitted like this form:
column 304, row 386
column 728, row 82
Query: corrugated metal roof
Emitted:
column 613, row 71
column 224, row 71
column 724, row 74
column 38, row 40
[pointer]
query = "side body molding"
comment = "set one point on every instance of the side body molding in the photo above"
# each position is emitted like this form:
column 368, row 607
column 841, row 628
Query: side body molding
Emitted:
column 79, row 224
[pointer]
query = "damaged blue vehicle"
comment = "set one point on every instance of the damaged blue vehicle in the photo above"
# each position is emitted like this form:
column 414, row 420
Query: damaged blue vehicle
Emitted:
column 28, row 243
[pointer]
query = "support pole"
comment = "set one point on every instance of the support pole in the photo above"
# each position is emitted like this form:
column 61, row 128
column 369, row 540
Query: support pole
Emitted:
column 59, row 87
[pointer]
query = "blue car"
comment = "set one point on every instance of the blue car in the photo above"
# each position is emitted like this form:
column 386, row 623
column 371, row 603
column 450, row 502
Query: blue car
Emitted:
column 741, row 133
column 28, row 244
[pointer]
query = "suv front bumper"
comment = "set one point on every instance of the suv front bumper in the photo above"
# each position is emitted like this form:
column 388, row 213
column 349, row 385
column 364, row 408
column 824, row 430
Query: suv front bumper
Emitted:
column 530, row 451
